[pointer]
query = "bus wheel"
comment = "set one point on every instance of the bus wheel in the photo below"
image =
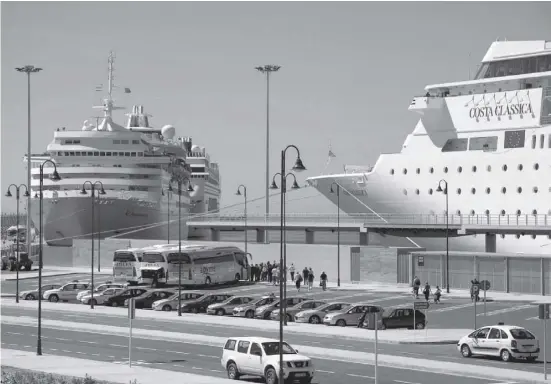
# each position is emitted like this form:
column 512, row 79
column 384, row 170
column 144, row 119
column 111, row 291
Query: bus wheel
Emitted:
column 207, row 280
column 237, row 277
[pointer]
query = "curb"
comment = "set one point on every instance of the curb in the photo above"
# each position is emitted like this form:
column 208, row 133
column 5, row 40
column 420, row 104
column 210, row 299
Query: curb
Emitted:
column 55, row 274
column 7, row 295
column 440, row 342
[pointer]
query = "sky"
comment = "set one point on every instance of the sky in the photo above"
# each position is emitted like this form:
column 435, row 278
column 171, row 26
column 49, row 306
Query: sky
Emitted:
column 349, row 72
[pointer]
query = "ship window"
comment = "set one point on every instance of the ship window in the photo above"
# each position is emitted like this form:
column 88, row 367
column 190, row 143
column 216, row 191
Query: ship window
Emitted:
column 431, row 170
column 488, row 190
column 445, row 169
column 418, row 170
column 140, row 154
column 107, row 153
column 533, row 141
column 459, row 191
column 542, row 141
column 458, row 212
column 488, row 143
column 124, row 141
column 66, row 153
column 133, row 154
column 90, row 153
column 405, row 171
column 416, row 191
column 135, row 141
column 536, row 166
column 502, row 236
column 534, row 212
column 504, row 167
column 514, row 139
column 535, row 189
column 473, row 190
column 518, row 212
column 77, row 153
column 60, row 153
column 455, row 145
column 430, row 191
column 102, row 153
column 96, row 153
column 392, row 171
column 489, row 168
column 487, row 212
column 72, row 153
column 519, row 189
column 121, row 153
column 405, row 192
column 116, row 141
column 127, row 154
column 503, row 212
column 520, row 167
column 472, row 212
column 517, row 236
column 513, row 67
column 474, row 168
column 459, row 169
column 76, row 141
column 533, row 237
column 503, row 190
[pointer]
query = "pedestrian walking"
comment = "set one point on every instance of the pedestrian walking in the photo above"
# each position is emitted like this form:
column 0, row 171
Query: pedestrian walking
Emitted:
column 298, row 280
column 310, row 279
column 427, row 291
column 416, row 286
column 305, row 274
column 275, row 275
column 437, row 295
column 292, row 271
column 323, row 280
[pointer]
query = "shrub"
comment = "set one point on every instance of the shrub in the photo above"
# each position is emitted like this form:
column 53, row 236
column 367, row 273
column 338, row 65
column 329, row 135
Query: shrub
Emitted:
column 12, row 375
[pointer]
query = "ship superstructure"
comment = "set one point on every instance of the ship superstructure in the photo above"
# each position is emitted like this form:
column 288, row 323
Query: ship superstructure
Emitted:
column 135, row 163
column 488, row 138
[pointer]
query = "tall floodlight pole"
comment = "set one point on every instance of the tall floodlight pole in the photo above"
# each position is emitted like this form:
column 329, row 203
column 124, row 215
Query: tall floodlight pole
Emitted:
column 238, row 193
column 28, row 69
column 180, row 258
column 267, row 69
column 338, row 230
column 445, row 190
column 17, row 195
column 54, row 177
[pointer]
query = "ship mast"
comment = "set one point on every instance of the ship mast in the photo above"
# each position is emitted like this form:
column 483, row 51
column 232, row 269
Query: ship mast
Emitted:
column 109, row 101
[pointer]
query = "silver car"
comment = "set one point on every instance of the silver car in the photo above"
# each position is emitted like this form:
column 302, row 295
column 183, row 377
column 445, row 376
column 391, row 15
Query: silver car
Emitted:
column 292, row 311
column 33, row 293
column 247, row 310
column 265, row 311
column 348, row 316
column 226, row 307
column 171, row 303
column 99, row 289
column 101, row 298
column 316, row 316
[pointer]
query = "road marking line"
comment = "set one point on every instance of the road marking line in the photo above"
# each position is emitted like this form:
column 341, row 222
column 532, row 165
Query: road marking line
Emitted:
column 14, row 333
column 88, row 342
column 81, row 353
column 319, row 370
column 505, row 310
column 112, row 357
column 215, row 370
column 365, row 377
column 532, row 318
column 62, row 339
column 95, row 354
column 53, row 349
column 118, row 345
column 384, row 299
column 404, row 382
column 197, row 368
column 13, row 345
column 446, row 309
column 27, row 346
column 65, row 350
column 183, row 353
column 148, row 349
column 180, row 365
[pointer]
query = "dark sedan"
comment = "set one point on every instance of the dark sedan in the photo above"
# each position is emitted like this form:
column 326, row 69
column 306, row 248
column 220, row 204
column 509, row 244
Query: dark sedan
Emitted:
column 201, row 305
column 118, row 300
column 147, row 299
column 403, row 318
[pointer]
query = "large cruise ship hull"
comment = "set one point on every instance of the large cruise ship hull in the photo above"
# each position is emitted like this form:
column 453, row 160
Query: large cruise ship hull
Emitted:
column 373, row 194
column 69, row 218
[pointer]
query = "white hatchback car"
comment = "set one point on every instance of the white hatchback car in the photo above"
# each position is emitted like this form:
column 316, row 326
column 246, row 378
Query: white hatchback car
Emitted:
column 506, row 341
column 258, row 356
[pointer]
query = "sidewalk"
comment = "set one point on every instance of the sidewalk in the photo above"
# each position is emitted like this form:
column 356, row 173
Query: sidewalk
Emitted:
column 454, row 293
column 389, row 336
column 115, row 373
column 49, row 272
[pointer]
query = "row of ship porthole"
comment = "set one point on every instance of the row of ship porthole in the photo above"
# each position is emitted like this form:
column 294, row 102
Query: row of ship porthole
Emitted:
column 473, row 190
column 520, row 167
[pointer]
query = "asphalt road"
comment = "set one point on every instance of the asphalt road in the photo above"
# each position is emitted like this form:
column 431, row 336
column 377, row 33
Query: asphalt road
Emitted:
column 198, row 359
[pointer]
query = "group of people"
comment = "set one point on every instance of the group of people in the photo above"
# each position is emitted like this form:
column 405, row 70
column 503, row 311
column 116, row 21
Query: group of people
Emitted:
column 426, row 290
column 272, row 273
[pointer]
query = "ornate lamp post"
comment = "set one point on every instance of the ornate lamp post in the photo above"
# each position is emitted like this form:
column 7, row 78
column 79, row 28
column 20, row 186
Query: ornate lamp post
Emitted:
column 238, row 193
column 168, row 214
column 8, row 194
column 338, row 189
column 93, row 198
column 54, row 177
column 445, row 191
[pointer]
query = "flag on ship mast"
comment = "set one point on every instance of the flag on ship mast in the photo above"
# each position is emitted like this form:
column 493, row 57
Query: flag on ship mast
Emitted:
column 126, row 90
column 330, row 155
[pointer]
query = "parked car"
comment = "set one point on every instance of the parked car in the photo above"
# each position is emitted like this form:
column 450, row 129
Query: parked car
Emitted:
column 349, row 315
column 32, row 294
column 101, row 297
column 247, row 310
column 226, row 307
column 147, row 299
column 315, row 316
column 509, row 342
column 99, row 289
column 258, row 356
column 118, row 300
column 264, row 311
column 171, row 303
column 403, row 318
column 200, row 305
column 66, row 292
column 292, row 311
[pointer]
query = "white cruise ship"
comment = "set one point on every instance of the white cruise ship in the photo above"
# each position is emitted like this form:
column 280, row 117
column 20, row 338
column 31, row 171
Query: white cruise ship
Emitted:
column 488, row 138
column 136, row 164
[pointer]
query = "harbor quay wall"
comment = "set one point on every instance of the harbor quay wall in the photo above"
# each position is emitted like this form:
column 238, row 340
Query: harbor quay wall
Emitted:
column 319, row 257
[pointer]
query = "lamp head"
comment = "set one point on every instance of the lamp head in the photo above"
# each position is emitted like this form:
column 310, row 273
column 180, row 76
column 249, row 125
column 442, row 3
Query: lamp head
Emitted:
column 295, row 185
column 8, row 194
column 299, row 167
column 190, row 188
column 162, row 192
column 55, row 176
column 83, row 191
column 331, row 190
column 238, row 193
column 26, row 194
column 170, row 187
column 102, row 191
column 36, row 195
column 274, row 185
column 439, row 189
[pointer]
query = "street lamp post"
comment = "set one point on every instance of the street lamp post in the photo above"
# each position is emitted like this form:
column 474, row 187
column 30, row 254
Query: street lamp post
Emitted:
column 189, row 189
column 167, row 214
column 28, row 69
column 27, row 194
column 92, row 197
column 283, row 268
column 297, row 167
column 238, row 193
column 338, row 230
column 54, row 177
column 267, row 69
column 445, row 191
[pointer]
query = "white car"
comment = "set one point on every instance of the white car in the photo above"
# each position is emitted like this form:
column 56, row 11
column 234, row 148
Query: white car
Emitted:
column 258, row 356
column 102, row 296
column 99, row 289
column 67, row 292
column 506, row 341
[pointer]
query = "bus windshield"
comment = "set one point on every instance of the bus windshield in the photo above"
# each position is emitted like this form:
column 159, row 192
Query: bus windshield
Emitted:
column 174, row 259
column 124, row 257
column 153, row 258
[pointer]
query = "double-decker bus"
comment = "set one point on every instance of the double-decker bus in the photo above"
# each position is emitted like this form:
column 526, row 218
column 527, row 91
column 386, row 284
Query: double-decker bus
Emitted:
column 126, row 266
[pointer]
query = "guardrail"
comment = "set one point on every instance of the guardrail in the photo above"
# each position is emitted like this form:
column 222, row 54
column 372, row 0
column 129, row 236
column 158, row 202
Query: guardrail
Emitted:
column 527, row 220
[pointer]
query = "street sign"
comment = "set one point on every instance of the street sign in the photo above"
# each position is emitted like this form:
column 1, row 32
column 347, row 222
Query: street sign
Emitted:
column 476, row 288
column 421, row 305
column 544, row 311
column 131, row 309
column 420, row 261
column 131, row 316
column 485, row 285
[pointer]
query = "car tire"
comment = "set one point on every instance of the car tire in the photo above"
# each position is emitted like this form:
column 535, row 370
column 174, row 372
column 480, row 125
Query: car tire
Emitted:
column 270, row 375
column 249, row 314
column 420, row 326
column 237, row 277
column 30, row 296
column 505, row 355
column 53, row 299
column 27, row 267
column 289, row 318
column 466, row 351
column 167, row 308
column 233, row 372
column 220, row 312
column 383, row 326
column 207, row 280
column 114, row 304
column 194, row 310
column 341, row 323
column 314, row 319
column 531, row 359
